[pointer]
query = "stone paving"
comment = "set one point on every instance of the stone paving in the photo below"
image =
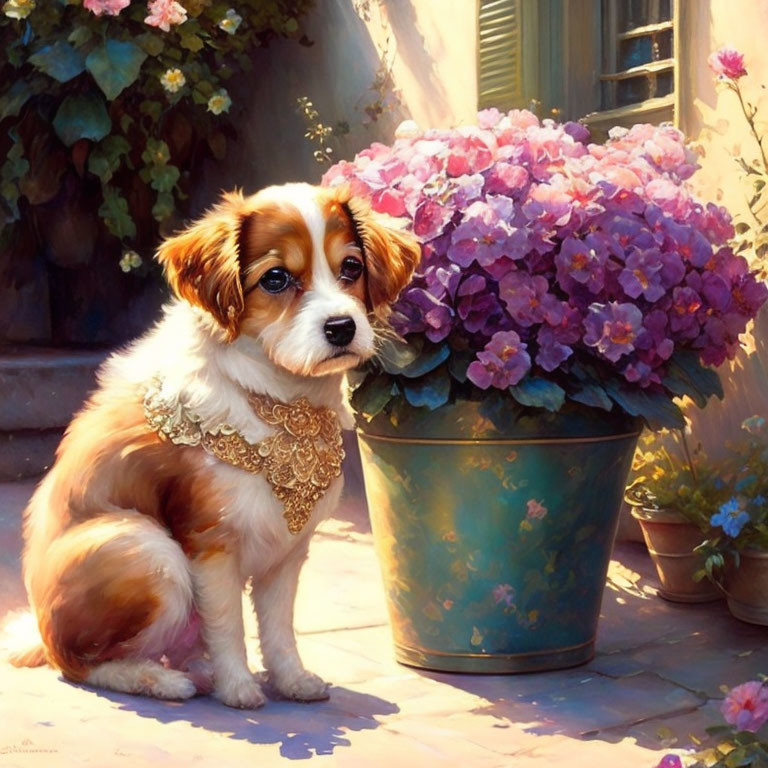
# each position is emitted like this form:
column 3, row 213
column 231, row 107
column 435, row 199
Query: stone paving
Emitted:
column 657, row 677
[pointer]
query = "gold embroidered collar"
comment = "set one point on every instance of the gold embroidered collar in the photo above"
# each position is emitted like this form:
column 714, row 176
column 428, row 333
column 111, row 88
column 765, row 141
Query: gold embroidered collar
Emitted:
column 299, row 460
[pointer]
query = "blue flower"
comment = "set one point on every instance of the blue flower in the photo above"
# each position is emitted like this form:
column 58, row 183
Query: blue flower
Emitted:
column 759, row 500
column 731, row 518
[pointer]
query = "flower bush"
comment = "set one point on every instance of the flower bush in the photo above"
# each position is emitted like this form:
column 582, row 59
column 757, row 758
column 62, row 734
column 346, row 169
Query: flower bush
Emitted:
column 727, row 500
column 751, row 239
column 742, row 742
column 668, row 474
column 555, row 270
column 108, row 107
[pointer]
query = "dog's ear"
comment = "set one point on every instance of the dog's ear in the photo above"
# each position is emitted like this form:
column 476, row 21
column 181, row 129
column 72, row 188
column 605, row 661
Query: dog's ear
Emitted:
column 202, row 263
column 391, row 256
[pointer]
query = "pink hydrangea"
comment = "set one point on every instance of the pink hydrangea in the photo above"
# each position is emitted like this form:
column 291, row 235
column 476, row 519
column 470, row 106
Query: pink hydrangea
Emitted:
column 164, row 13
column 545, row 255
column 727, row 63
column 746, row 706
column 108, row 7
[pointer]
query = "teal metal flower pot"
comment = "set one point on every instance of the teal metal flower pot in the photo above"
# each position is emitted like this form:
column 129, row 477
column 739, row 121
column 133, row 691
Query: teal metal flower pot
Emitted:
column 494, row 545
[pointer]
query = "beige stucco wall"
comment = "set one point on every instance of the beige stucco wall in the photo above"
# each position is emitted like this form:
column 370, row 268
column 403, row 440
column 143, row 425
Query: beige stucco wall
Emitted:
column 430, row 44
column 711, row 116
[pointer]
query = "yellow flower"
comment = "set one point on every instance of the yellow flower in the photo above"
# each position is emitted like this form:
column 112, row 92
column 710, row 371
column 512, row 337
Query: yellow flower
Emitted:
column 231, row 22
column 18, row 9
column 131, row 260
column 173, row 80
column 219, row 102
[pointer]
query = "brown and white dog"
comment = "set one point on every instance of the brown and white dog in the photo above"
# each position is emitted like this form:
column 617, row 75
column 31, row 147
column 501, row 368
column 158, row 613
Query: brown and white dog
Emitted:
column 137, row 550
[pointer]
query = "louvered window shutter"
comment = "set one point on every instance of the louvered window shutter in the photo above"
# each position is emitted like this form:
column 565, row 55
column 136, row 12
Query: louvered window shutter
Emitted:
column 499, row 54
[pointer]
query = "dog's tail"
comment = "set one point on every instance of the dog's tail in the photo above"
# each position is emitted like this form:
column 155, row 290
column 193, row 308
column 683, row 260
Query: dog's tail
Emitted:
column 20, row 641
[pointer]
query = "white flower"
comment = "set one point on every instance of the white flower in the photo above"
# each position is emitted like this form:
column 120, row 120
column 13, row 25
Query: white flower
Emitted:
column 18, row 9
column 131, row 260
column 173, row 80
column 408, row 129
column 219, row 102
column 231, row 21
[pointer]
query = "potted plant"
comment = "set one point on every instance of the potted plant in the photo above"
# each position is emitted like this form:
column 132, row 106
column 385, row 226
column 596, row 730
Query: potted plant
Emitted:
column 567, row 293
column 673, row 495
column 737, row 554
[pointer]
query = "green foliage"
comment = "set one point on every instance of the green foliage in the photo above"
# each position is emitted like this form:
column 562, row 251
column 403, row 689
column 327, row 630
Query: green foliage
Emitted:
column 60, row 60
column 668, row 474
column 82, row 116
column 539, row 393
column 115, row 65
column 114, row 104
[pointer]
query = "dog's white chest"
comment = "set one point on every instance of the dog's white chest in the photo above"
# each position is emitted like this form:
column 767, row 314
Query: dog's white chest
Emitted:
column 256, row 518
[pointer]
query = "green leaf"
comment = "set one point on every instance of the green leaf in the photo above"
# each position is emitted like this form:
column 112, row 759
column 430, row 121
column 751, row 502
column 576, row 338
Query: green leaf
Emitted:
column 14, row 99
column 80, row 35
column 60, row 61
column 593, row 395
column 430, row 391
column 164, row 177
column 151, row 108
column 396, row 354
column 429, row 358
column 191, row 42
column 687, row 376
column 116, row 214
column 539, row 393
column 458, row 364
column 16, row 165
column 151, row 44
column 156, row 153
column 82, row 116
column 372, row 396
column 164, row 206
column 104, row 160
column 115, row 65
column 655, row 407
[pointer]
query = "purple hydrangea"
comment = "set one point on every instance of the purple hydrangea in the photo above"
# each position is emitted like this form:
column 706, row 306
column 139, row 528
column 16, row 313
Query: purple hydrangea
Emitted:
column 612, row 328
column 543, row 252
column 502, row 363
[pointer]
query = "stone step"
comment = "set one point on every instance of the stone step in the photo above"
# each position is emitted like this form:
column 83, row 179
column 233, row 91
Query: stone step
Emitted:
column 41, row 389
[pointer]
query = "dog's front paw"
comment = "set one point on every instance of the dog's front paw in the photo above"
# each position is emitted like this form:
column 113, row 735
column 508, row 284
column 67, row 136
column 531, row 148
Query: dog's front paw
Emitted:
column 304, row 686
column 243, row 693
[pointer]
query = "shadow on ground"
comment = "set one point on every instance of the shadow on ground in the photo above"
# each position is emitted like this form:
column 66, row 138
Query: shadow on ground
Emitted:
column 317, row 729
column 656, row 661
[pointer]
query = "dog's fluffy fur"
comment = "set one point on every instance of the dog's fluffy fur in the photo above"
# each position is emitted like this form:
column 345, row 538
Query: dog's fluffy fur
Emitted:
column 137, row 550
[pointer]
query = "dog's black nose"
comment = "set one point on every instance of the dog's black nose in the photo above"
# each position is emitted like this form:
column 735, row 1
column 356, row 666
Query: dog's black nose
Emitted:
column 339, row 330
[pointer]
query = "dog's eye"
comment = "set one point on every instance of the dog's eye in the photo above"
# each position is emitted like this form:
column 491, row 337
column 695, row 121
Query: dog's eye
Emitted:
column 351, row 269
column 276, row 280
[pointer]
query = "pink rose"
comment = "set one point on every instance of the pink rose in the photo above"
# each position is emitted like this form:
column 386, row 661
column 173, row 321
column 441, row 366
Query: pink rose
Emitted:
column 164, row 13
column 746, row 706
column 727, row 63
column 109, row 7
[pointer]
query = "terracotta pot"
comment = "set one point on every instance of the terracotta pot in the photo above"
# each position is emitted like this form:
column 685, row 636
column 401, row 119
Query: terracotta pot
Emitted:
column 746, row 587
column 671, row 539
